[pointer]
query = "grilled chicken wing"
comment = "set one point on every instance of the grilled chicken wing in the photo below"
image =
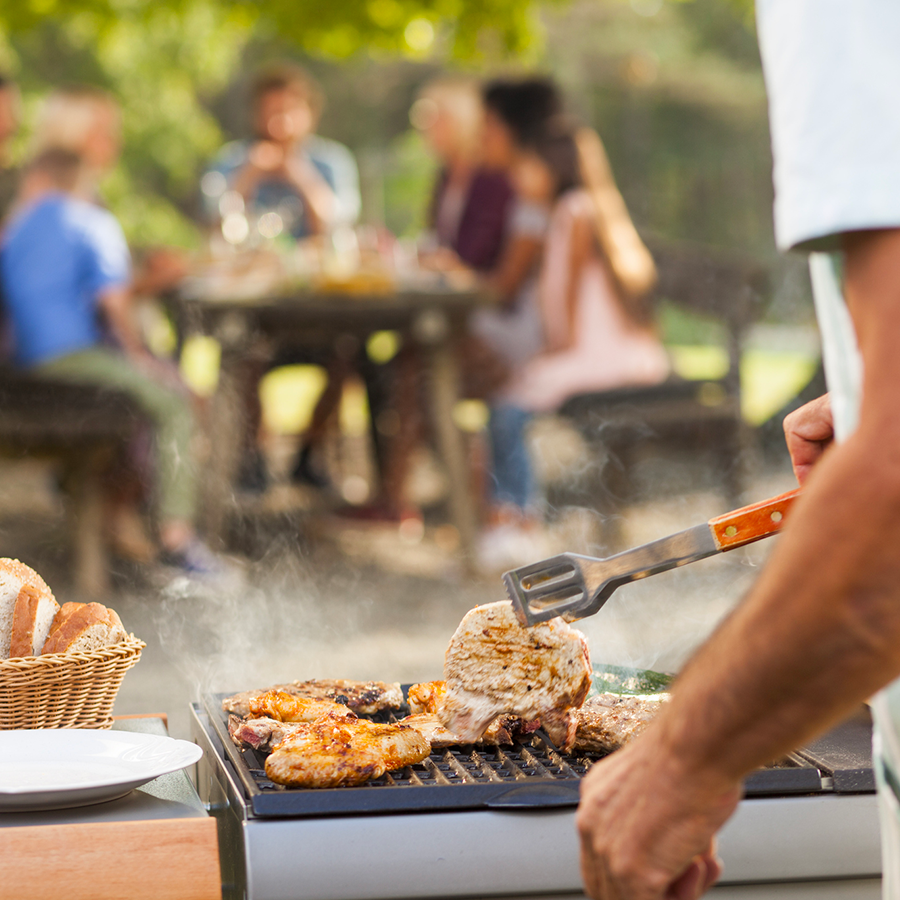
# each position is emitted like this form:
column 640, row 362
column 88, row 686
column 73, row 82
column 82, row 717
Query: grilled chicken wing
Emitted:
column 494, row 665
column 426, row 697
column 331, row 752
column 608, row 721
column 284, row 707
column 364, row 697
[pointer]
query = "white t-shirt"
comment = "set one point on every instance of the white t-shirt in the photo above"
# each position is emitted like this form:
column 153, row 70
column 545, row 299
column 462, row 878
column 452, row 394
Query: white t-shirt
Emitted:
column 832, row 71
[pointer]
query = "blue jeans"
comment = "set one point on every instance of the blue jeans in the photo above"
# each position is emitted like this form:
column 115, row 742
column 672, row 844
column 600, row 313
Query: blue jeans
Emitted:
column 512, row 476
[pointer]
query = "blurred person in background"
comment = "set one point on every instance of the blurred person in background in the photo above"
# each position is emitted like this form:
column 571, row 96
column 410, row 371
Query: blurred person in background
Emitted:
column 468, row 220
column 471, row 202
column 10, row 117
column 312, row 184
column 595, row 329
column 74, row 321
column 598, row 331
column 86, row 122
column 476, row 220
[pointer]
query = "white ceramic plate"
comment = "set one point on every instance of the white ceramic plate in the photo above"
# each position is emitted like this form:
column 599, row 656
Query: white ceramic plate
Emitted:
column 61, row 768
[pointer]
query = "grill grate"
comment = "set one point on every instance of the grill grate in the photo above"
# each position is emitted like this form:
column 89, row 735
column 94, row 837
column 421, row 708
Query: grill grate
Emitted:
column 525, row 775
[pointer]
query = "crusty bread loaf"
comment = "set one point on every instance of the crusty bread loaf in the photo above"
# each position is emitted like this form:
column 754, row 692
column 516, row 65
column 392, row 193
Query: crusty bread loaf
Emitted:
column 14, row 576
column 82, row 628
column 32, row 617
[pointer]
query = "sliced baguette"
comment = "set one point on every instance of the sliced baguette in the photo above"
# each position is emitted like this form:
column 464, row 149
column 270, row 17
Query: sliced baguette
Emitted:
column 32, row 618
column 14, row 576
column 84, row 628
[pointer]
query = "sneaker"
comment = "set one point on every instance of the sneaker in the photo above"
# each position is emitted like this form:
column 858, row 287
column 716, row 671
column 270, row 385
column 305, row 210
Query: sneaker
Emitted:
column 509, row 546
column 196, row 560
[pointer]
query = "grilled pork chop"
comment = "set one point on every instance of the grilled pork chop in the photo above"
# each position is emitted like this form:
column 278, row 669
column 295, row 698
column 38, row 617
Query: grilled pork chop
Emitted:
column 363, row 697
column 285, row 707
column 494, row 665
column 331, row 752
column 608, row 721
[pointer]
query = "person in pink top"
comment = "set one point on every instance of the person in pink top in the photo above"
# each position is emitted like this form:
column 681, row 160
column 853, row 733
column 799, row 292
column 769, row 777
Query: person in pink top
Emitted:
column 597, row 336
column 596, row 332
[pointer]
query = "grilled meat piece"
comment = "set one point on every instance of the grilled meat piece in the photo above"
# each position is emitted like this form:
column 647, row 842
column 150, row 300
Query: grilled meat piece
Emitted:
column 433, row 730
column 331, row 752
column 608, row 721
column 502, row 732
column 426, row 697
column 285, row 707
column 239, row 704
column 363, row 697
column 260, row 734
column 494, row 665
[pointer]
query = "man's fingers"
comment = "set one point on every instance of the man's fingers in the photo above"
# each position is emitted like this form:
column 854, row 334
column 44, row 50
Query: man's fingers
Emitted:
column 689, row 885
column 808, row 431
column 713, row 865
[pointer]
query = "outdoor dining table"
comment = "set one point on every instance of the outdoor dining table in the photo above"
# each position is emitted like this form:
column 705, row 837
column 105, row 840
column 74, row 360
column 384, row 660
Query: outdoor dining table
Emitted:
column 429, row 314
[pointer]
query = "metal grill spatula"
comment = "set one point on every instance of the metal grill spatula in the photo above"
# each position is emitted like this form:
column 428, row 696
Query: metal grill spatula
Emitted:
column 574, row 586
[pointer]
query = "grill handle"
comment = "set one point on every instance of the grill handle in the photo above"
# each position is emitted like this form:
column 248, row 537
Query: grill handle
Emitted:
column 536, row 796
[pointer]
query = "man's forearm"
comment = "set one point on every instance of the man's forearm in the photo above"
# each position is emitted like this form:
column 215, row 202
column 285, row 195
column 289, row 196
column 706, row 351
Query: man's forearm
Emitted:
column 819, row 633
column 821, row 630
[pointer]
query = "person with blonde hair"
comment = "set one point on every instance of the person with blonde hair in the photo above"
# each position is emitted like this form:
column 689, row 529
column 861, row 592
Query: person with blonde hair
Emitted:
column 472, row 222
column 83, row 120
column 471, row 202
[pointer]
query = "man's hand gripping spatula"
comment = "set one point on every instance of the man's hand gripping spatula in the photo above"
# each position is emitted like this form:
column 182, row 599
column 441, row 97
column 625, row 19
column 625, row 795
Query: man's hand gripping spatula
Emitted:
column 574, row 586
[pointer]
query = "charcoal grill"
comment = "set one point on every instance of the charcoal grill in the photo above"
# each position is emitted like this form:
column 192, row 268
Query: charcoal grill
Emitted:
column 505, row 815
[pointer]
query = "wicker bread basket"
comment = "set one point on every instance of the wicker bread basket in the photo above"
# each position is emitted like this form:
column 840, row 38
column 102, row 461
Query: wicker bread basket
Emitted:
column 65, row 690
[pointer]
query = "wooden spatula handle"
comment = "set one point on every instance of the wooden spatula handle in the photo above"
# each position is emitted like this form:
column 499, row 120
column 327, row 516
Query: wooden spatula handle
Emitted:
column 743, row 526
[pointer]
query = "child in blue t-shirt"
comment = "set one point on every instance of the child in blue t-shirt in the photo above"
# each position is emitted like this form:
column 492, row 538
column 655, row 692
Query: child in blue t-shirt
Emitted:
column 67, row 289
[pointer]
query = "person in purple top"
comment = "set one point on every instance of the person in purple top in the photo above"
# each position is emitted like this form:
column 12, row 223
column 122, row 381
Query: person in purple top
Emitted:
column 476, row 221
column 471, row 203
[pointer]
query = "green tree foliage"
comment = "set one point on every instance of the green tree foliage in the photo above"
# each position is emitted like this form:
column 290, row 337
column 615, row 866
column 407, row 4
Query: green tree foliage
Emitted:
column 167, row 60
column 174, row 65
column 160, row 60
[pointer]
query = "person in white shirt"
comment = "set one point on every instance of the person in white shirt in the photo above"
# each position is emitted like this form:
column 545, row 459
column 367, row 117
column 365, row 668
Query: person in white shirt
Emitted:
column 820, row 631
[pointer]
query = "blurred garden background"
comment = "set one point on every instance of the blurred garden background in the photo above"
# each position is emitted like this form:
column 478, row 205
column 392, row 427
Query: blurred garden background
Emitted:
column 674, row 88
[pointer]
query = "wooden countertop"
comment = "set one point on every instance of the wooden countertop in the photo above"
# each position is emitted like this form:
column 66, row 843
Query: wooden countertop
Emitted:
column 156, row 842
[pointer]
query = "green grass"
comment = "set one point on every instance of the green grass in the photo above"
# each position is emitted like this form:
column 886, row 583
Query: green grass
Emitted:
column 769, row 378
